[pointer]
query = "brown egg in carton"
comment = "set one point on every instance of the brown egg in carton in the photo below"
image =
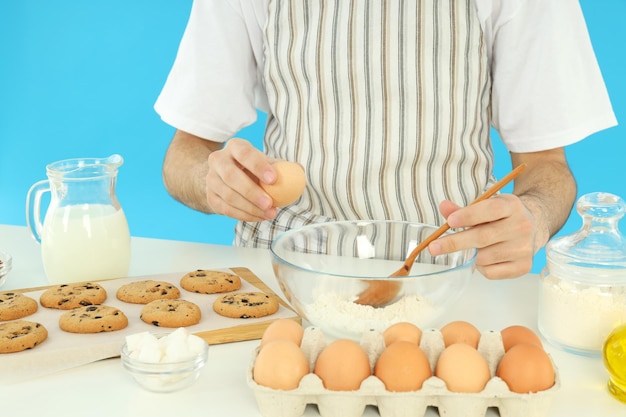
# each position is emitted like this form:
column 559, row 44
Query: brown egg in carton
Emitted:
column 372, row 392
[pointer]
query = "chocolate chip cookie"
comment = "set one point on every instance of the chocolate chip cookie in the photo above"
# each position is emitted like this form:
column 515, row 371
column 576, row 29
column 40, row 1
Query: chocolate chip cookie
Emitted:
column 69, row 296
column 143, row 292
column 14, row 305
column 245, row 305
column 19, row 335
column 93, row 319
column 171, row 313
column 205, row 281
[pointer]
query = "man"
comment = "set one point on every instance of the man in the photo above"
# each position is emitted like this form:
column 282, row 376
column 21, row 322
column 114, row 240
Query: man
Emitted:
column 388, row 106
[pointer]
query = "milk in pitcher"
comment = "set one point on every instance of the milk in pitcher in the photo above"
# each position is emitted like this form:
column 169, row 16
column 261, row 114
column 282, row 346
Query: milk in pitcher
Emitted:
column 85, row 242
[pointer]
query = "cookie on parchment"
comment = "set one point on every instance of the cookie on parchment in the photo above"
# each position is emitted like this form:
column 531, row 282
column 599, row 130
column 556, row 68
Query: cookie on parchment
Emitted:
column 142, row 292
column 14, row 305
column 93, row 319
column 171, row 313
column 69, row 296
column 245, row 305
column 205, row 281
column 19, row 335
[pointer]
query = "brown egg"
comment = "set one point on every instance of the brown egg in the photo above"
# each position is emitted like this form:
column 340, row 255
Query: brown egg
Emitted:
column 281, row 364
column 289, row 185
column 514, row 335
column 526, row 368
column 283, row 329
column 460, row 332
column 403, row 366
column 402, row 331
column 463, row 368
column 342, row 365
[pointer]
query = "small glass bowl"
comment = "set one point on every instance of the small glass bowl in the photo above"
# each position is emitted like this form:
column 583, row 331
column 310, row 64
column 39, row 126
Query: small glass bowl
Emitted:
column 165, row 376
column 6, row 263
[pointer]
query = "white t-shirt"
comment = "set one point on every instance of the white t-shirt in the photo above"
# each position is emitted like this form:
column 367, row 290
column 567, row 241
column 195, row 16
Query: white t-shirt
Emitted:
column 547, row 89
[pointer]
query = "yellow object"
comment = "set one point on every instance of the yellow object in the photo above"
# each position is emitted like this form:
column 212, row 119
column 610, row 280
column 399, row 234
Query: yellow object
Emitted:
column 614, row 356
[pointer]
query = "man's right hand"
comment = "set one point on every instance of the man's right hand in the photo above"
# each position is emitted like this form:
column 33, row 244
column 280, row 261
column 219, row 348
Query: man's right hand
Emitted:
column 215, row 178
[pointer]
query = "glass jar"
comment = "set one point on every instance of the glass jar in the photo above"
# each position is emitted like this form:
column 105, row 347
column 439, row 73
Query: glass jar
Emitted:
column 582, row 296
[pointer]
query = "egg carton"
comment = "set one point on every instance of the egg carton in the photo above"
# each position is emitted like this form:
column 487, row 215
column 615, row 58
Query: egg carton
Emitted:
column 372, row 392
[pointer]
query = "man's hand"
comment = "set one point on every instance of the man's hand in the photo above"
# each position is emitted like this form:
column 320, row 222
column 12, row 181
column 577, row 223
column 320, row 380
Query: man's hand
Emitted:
column 501, row 228
column 232, row 182
column 211, row 177
column 509, row 229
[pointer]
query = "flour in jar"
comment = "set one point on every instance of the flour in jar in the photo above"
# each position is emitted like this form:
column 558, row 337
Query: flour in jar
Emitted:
column 341, row 316
column 580, row 316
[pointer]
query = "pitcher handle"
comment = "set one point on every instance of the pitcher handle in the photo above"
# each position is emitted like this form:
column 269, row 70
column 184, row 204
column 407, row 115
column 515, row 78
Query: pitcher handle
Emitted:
column 33, row 208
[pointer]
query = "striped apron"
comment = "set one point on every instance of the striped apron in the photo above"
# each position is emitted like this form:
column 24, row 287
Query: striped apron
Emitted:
column 384, row 102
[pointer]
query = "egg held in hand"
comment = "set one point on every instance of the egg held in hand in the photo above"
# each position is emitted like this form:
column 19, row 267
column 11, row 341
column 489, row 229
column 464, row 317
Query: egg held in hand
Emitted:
column 526, row 368
column 402, row 367
column 281, row 364
column 463, row 368
column 289, row 184
column 342, row 365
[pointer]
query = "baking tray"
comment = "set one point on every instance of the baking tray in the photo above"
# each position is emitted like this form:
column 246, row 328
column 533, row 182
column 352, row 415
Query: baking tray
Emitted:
column 64, row 350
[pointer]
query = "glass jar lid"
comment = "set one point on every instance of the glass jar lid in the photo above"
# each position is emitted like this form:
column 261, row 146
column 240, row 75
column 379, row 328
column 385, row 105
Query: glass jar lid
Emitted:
column 596, row 253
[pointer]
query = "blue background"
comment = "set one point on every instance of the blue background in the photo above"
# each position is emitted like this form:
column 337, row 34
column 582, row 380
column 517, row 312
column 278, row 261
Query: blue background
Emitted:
column 79, row 79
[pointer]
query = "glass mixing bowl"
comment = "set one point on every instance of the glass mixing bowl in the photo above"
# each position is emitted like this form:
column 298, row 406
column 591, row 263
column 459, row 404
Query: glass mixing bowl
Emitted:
column 322, row 269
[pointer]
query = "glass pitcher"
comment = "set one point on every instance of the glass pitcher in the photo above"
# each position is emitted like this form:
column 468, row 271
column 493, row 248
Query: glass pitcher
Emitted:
column 84, row 235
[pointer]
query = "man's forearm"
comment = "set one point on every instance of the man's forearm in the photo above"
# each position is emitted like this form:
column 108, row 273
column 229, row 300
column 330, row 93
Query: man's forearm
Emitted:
column 185, row 168
column 548, row 189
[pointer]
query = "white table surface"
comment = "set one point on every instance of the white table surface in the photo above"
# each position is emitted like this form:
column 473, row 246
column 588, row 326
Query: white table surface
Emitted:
column 104, row 389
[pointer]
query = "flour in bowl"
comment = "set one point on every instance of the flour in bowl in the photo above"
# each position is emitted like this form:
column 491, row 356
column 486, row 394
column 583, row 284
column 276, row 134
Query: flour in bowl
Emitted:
column 341, row 317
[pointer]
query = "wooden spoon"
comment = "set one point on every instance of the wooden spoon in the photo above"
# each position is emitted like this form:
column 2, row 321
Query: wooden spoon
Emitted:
column 381, row 292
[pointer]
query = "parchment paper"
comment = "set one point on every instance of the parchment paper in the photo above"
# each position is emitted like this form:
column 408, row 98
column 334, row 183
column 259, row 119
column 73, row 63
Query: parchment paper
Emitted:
column 63, row 350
